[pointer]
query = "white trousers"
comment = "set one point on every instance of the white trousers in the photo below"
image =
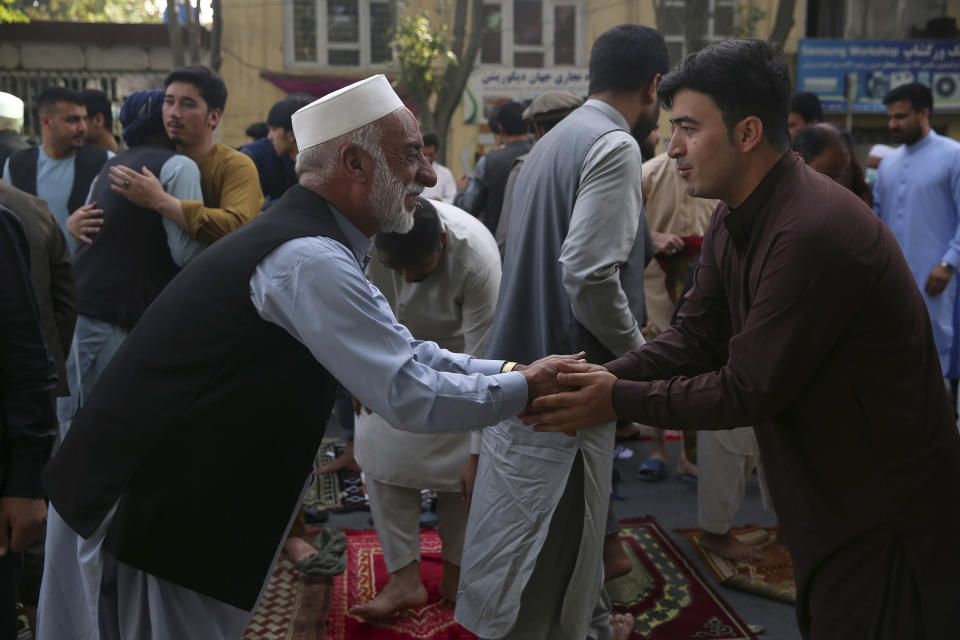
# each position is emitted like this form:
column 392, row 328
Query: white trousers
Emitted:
column 396, row 517
column 87, row 594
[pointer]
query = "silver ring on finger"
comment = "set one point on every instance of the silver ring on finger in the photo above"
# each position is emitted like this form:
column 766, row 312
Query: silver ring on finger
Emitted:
column 126, row 184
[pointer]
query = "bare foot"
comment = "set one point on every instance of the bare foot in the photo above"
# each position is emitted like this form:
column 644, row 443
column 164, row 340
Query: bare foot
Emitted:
column 450, row 582
column 684, row 466
column 404, row 590
column 343, row 461
column 616, row 562
column 298, row 549
column 728, row 546
column 621, row 624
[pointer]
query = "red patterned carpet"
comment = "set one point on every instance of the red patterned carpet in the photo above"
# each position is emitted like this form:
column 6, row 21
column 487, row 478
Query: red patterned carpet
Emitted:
column 365, row 576
column 666, row 594
column 294, row 606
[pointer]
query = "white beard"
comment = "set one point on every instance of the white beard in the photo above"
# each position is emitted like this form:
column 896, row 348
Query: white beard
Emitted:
column 388, row 198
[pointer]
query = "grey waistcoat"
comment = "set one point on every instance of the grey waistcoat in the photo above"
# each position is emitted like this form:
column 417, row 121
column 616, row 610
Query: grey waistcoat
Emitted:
column 534, row 318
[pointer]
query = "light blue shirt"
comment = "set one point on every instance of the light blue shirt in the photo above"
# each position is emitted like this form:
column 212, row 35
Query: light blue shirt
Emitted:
column 314, row 288
column 54, row 183
column 180, row 177
column 917, row 194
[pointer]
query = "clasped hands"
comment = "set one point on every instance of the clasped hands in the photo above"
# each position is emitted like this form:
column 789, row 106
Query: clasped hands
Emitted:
column 566, row 394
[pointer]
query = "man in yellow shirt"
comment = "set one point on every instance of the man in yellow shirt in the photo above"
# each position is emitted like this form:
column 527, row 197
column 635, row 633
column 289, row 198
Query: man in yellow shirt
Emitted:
column 192, row 108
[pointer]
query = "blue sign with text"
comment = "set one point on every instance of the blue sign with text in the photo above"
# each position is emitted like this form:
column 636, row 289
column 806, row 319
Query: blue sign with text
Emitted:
column 865, row 70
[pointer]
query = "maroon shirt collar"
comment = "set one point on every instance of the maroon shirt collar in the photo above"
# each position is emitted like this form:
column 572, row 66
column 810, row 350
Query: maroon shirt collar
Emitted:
column 739, row 221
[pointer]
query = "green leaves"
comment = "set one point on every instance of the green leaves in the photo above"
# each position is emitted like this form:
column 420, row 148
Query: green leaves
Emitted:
column 82, row 10
column 423, row 54
column 9, row 13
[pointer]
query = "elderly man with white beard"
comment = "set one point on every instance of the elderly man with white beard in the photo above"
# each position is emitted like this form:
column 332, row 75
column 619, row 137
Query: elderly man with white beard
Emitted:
column 218, row 411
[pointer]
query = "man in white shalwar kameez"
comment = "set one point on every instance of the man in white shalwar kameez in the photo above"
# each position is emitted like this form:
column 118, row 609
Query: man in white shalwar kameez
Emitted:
column 441, row 280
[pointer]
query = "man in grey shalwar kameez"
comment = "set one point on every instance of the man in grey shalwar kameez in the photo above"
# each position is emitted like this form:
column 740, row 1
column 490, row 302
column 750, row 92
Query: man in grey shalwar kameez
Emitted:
column 572, row 280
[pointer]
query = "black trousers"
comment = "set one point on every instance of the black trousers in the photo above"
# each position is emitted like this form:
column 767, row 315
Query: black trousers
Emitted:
column 11, row 567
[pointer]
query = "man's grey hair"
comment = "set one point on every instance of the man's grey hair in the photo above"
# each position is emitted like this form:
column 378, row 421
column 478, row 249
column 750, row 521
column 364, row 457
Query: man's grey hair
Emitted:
column 316, row 164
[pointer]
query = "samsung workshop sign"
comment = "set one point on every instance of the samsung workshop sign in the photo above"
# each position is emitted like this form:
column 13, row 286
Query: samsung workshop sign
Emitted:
column 865, row 70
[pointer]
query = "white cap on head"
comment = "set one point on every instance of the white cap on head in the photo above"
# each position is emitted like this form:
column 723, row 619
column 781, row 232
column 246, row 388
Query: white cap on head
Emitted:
column 344, row 110
column 879, row 151
column 11, row 106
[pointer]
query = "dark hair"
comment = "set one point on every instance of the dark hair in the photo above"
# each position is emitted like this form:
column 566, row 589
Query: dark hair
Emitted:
column 510, row 119
column 208, row 84
column 431, row 140
column 918, row 95
column 858, row 177
column 257, row 131
column 98, row 102
column 551, row 122
column 398, row 250
column 492, row 123
column 626, row 58
column 50, row 96
column 281, row 114
column 807, row 105
column 813, row 140
column 743, row 78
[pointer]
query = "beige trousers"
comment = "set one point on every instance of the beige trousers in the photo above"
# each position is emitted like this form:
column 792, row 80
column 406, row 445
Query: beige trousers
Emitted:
column 396, row 517
column 725, row 460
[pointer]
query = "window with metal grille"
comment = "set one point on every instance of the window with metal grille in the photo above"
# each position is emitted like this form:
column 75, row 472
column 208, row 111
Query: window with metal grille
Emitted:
column 689, row 25
column 533, row 33
column 28, row 85
column 339, row 33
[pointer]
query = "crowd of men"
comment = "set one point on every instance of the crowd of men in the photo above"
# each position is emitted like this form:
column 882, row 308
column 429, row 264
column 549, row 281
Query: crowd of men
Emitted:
column 179, row 312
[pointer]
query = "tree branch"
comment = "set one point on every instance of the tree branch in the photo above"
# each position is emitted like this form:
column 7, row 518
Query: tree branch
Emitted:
column 459, row 27
column 216, row 35
column 783, row 23
column 194, row 32
column 173, row 30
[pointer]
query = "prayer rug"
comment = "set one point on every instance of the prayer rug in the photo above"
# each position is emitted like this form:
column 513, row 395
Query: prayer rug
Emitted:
column 666, row 594
column 771, row 577
column 324, row 490
column 364, row 578
column 294, row 606
column 341, row 491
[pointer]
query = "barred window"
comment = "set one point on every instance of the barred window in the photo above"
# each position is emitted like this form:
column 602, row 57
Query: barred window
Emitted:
column 717, row 24
column 534, row 33
column 340, row 33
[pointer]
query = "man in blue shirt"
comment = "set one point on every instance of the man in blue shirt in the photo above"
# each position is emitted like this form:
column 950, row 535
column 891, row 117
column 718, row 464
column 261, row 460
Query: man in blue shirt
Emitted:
column 61, row 169
column 917, row 194
column 276, row 154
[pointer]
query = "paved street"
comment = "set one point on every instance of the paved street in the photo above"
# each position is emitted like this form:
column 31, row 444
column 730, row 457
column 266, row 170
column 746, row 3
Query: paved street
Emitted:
column 674, row 505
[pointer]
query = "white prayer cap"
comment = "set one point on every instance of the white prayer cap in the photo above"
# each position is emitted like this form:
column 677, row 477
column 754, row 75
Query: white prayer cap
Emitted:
column 344, row 110
column 11, row 106
column 879, row 151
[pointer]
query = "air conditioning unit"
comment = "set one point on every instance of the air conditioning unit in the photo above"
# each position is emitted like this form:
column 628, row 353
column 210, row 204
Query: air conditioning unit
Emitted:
column 946, row 86
column 898, row 78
